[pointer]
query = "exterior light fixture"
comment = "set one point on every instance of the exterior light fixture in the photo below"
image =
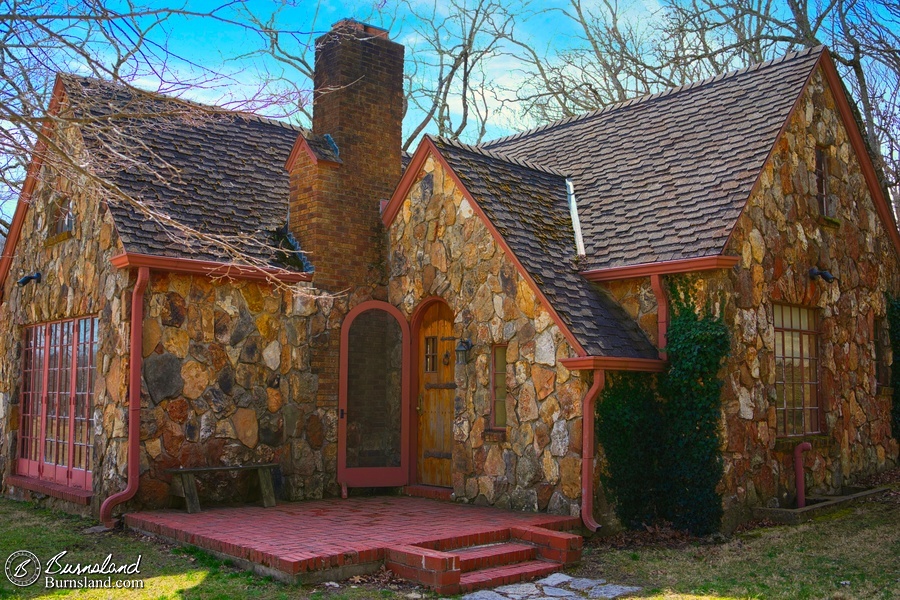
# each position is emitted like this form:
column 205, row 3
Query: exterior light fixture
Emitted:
column 36, row 277
column 815, row 273
column 462, row 347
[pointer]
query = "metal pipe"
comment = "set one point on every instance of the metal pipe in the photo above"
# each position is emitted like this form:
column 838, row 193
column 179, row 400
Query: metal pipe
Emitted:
column 576, row 222
column 798, row 472
column 134, row 400
column 587, row 451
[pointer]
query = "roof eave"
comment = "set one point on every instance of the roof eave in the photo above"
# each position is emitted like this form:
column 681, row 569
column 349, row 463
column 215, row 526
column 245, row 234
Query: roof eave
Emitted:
column 668, row 267
column 208, row 268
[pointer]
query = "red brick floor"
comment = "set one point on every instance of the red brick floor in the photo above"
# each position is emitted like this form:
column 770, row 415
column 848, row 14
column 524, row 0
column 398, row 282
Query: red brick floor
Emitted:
column 302, row 537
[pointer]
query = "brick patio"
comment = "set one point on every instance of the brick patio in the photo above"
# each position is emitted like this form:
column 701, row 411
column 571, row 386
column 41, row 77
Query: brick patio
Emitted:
column 429, row 541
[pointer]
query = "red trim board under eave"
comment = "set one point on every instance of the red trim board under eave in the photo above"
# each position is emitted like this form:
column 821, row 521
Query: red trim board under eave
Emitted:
column 613, row 363
column 34, row 167
column 406, row 182
column 686, row 265
column 207, row 267
column 859, row 146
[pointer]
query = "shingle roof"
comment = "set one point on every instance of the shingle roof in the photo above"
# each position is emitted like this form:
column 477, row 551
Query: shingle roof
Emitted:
column 219, row 172
column 665, row 177
column 528, row 206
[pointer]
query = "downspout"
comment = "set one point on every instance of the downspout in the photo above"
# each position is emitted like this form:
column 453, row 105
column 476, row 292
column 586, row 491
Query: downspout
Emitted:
column 587, row 451
column 662, row 313
column 134, row 400
column 798, row 472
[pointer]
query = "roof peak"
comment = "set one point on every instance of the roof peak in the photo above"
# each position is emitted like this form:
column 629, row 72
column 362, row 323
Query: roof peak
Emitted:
column 650, row 97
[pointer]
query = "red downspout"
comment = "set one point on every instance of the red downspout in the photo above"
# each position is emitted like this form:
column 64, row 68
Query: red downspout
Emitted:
column 798, row 472
column 662, row 313
column 587, row 451
column 134, row 400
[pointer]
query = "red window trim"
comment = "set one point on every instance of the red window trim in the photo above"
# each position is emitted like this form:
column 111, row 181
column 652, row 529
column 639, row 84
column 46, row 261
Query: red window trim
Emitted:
column 781, row 412
column 492, row 424
column 31, row 459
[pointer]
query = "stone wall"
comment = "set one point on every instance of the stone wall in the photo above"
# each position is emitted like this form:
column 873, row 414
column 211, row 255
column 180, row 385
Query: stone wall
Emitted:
column 227, row 380
column 779, row 237
column 440, row 247
column 77, row 281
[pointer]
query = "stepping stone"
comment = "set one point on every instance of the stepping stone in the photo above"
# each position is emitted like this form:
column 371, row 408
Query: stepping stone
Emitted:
column 519, row 589
column 582, row 584
column 558, row 592
column 555, row 579
column 484, row 595
column 611, row 591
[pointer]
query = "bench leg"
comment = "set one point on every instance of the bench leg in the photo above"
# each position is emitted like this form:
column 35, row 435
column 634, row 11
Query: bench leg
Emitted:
column 190, row 492
column 266, row 489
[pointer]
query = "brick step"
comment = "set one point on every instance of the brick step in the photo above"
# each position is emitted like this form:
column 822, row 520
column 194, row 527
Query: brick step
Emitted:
column 494, row 555
column 506, row 574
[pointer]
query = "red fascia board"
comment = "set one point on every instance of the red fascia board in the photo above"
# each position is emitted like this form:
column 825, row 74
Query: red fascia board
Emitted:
column 31, row 177
column 206, row 267
column 302, row 145
column 668, row 267
column 427, row 147
column 882, row 206
column 614, row 363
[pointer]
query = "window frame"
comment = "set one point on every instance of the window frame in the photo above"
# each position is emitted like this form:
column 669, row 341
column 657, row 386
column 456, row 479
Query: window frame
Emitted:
column 68, row 388
column 881, row 336
column 822, row 176
column 782, row 411
column 493, row 425
column 63, row 217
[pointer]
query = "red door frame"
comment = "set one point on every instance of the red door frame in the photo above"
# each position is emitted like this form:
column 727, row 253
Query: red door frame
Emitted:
column 416, row 324
column 373, row 476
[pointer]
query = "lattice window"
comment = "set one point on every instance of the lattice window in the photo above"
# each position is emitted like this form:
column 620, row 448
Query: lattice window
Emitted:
column 431, row 354
column 796, row 371
column 57, row 401
column 883, row 354
column 826, row 203
column 498, row 387
column 63, row 219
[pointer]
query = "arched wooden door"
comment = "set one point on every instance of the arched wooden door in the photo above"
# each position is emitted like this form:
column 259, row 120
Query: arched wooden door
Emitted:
column 437, row 388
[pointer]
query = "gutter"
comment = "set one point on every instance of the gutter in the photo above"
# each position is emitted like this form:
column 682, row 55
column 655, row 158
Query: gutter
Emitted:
column 134, row 400
column 587, row 450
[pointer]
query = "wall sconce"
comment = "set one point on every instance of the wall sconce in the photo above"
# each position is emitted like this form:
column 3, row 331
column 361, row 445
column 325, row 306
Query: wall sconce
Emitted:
column 462, row 347
column 815, row 273
column 36, row 277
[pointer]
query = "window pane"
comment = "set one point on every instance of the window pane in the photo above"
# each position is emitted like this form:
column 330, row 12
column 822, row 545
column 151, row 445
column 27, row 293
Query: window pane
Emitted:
column 796, row 370
column 498, row 376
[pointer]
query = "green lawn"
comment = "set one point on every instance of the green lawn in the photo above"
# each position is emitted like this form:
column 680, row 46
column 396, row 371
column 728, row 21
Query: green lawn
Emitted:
column 851, row 553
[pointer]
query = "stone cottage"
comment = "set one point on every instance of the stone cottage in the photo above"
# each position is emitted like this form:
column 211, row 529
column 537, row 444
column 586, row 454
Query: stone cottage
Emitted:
column 450, row 333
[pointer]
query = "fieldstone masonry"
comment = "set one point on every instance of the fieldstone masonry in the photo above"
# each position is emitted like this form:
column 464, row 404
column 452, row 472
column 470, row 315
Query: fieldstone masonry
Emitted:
column 440, row 247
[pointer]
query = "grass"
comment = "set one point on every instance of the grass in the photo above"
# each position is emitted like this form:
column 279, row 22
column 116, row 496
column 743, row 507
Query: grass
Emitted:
column 167, row 572
column 849, row 553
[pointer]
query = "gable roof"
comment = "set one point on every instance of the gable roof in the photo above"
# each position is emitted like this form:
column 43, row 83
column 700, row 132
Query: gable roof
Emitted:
column 218, row 172
column 665, row 177
column 528, row 207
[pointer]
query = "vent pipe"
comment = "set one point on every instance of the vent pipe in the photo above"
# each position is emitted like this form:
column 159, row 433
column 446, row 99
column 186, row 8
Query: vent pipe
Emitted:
column 576, row 223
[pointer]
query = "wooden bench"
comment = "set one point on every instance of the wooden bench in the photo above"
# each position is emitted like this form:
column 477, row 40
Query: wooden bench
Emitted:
column 184, row 484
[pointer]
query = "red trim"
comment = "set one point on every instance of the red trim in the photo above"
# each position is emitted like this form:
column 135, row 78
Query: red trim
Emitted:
column 207, row 267
column 135, row 361
column 409, row 177
column 613, row 363
column 662, row 313
column 588, row 450
column 416, row 356
column 302, row 145
column 859, row 146
column 373, row 476
column 31, row 178
column 686, row 265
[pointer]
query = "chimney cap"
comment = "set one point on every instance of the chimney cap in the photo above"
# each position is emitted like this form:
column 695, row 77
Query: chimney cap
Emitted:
column 360, row 26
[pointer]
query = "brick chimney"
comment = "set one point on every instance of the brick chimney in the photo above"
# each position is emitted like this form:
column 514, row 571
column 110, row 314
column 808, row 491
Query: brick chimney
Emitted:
column 335, row 196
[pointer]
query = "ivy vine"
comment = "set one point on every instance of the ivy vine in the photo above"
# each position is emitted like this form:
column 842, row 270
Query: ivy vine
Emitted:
column 893, row 315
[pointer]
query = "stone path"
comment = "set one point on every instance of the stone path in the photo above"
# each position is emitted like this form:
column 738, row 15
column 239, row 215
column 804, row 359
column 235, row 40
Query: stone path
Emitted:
column 556, row 586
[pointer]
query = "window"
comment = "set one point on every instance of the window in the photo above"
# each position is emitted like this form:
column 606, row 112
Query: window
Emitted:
column 63, row 220
column 825, row 201
column 883, row 354
column 498, row 387
column 57, row 402
column 796, row 371
column 431, row 354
